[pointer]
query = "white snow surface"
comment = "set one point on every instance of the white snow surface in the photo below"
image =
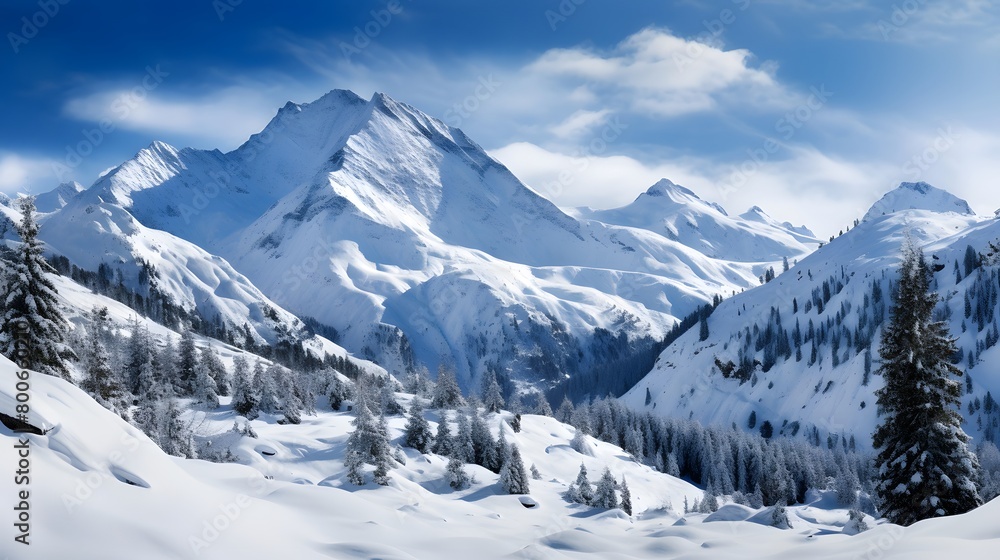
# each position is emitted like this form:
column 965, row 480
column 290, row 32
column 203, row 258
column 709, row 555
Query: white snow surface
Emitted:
column 100, row 489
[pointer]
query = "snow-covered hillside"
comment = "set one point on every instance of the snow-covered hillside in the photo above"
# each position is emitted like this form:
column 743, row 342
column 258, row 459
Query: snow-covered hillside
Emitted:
column 800, row 351
column 100, row 489
column 407, row 238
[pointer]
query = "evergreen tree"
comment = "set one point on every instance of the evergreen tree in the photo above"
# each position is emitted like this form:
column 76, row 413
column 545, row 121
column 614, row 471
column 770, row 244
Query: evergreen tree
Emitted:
column 605, row 496
column 187, row 364
column 513, row 478
column 33, row 330
column 457, row 477
column 492, row 395
column 463, row 446
column 542, row 406
column 565, row 412
column 245, row 402
column 211, row 363
column 535, row 475
column 418, row 431
column 443, row 443
column 925, row 466
column 99, row 380
column 337, row 392
column 446, row 392
column 626, row 504
column 266, row 382
column 387, row 398
column 368, row 443
column 137, row 355
column 515, row 423
column 584, row 491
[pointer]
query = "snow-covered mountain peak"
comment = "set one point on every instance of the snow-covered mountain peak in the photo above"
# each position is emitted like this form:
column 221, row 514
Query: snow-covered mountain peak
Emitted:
column 918, row 196
column 57, row 197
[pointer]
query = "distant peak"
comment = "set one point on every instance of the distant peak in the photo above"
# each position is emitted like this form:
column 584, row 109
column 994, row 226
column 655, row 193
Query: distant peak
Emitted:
column 664, row 187
column 918, row 196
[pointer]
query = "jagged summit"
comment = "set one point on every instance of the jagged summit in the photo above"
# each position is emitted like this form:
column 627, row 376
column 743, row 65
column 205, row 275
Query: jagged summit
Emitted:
column 918, row 196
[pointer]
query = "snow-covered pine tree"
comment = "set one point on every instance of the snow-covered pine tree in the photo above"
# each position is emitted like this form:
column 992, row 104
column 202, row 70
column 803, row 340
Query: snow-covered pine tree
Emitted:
column 925, row 466
column 457, row 477
column 213, row 365
column 337, row 392
column 513, row 478
column 446, row 392
column 368, row 443
column 515, row 423
column 387, row 399
column 187, row 364
column 99, row 380
column 492, row 395
column 245, row 402
column 483, row 444
column 462, row 444
column 626, row 504
column 32, row 322
column 605, row 496
column 535, row 475
column 443, row 444
column 542, row 406
column 584, row 491
column 565, row 412
column 418, row 431
column 267, row 382
column 138, row 356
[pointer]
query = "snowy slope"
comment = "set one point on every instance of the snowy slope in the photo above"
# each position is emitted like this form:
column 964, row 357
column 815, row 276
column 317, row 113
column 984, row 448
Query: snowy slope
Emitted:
column 400, row 232
column 799, row 394
column 100, row 489
column 678, row 213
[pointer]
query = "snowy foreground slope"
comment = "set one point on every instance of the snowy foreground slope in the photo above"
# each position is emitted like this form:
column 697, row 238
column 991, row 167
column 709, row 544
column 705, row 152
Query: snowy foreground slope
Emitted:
column 100, row 489
column 800, row 351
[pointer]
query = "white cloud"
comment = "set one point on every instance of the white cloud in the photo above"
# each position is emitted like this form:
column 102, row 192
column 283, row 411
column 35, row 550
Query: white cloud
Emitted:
column 28, row 175
column 222, row 118
column 656, row 72
column 580, row 123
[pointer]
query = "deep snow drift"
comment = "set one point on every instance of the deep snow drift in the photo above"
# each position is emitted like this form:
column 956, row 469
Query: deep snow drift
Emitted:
column 100, row 489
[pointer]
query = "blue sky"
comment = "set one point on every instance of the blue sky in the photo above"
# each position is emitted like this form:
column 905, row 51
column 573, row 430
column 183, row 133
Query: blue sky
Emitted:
column 811, row 110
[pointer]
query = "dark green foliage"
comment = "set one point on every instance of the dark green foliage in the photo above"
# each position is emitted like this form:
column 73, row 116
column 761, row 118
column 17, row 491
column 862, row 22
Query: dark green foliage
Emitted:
column 925, row 466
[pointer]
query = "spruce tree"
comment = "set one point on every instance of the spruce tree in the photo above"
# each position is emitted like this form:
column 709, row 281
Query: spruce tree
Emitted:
column 626, row 504
column 492, row 395
column 187, row 364
column 605, row 496
column 443, row 443
column 245, row 402
column 418, row 431
column 446, row 392
column 368, row 443
column 99, row 380
column 584, row 490
column 513, row 478
column 457, row 477
column 32, row 322
column 925, row 466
